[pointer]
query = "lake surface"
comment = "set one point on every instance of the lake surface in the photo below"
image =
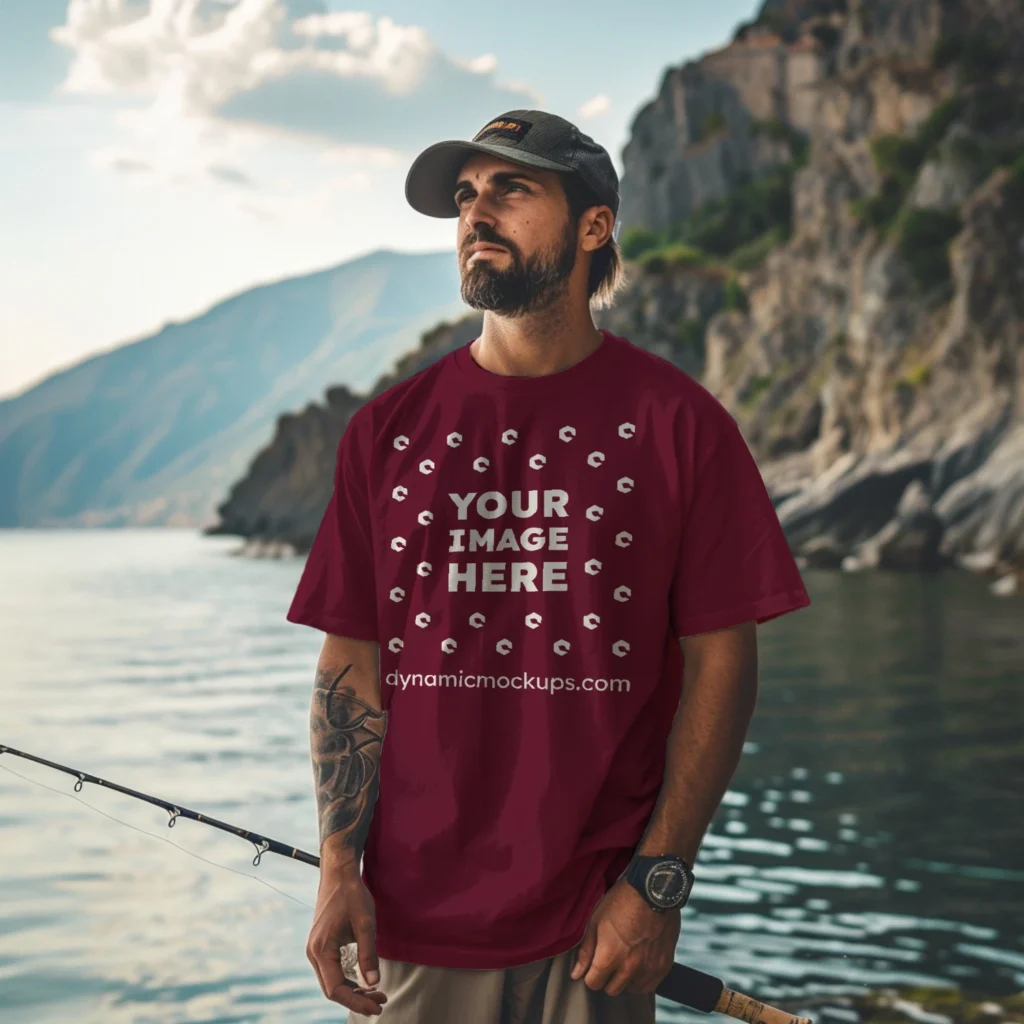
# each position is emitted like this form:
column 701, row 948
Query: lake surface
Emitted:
column 873, row 835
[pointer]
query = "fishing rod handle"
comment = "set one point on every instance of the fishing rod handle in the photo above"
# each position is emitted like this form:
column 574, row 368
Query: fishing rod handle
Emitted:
column 735, row 1004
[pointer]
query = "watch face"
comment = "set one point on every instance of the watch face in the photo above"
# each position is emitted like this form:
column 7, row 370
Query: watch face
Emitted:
column 667, row 884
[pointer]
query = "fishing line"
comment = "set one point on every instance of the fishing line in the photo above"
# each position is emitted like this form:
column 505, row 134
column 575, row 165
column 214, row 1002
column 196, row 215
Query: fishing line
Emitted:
column 165, row 839
column 682, row 984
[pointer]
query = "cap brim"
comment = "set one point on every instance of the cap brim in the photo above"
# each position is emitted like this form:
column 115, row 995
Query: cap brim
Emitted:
column 430, row 183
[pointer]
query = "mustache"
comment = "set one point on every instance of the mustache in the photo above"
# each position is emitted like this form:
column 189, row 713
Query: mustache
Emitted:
column 485, row 234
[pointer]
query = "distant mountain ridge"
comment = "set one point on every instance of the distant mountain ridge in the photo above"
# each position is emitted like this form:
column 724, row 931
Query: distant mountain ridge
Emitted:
column 154, row 431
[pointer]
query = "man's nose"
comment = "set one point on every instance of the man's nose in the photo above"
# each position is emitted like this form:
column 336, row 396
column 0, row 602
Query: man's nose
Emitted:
column 479, row 210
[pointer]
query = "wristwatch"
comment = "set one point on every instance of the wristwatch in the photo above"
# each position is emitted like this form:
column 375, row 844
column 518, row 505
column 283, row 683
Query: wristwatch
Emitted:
column 664, row 882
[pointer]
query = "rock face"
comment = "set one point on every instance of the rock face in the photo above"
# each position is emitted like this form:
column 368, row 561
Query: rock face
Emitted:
column 877, row 371
column 666, row 312
column 983, row 512
column 699, row 138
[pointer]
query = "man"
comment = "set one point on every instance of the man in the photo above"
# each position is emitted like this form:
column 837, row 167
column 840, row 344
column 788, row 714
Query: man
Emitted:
column 540, row 572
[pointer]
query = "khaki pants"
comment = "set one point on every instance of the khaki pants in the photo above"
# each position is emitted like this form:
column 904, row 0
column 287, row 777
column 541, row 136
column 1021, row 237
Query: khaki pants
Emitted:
column 536, row 993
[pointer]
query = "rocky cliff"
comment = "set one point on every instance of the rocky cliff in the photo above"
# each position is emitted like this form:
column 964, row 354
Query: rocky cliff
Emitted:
column 702, row 136
column 876, row 368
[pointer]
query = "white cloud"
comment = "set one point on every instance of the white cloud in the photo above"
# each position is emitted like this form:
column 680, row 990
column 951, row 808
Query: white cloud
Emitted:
column 128, row 164
column 169, row 50
column 595, row 106
column 398, row 57
column 481, row 65
column 280, row 65
column 285, row 110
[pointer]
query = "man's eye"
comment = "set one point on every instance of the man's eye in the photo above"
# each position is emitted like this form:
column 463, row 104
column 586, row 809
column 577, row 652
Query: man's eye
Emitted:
column 459, row 198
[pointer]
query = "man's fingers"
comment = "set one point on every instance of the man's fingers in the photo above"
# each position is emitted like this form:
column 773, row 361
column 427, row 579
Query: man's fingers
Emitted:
column 649, row 980
column 331, row 975
column 585, row 952
column 647, row 984
column 620, row 978
column 316, row 970
column 600, row 971
column 339, row 990
column 358, row 999
column 366, row 940
column 641, row 982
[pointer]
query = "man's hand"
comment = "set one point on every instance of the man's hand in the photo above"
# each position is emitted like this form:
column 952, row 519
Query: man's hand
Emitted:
column 345, row 914
column 628, row 946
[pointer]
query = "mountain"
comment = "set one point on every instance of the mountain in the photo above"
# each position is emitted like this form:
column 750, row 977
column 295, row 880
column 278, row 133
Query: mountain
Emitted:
column 153, row 432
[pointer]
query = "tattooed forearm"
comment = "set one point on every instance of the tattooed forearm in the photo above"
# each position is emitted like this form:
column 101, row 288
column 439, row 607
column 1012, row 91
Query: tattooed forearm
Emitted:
column 345, row 739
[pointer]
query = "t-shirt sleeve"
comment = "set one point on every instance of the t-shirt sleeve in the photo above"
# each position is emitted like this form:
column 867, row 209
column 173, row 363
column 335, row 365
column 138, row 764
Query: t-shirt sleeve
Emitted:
column 734, row 564
column 337, row 592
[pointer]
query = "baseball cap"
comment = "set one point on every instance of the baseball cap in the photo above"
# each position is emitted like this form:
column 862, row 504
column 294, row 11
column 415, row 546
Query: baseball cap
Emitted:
column 534, row 138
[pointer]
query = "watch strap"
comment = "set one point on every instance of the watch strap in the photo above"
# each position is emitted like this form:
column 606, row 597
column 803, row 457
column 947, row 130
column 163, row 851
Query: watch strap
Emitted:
column 637, row 870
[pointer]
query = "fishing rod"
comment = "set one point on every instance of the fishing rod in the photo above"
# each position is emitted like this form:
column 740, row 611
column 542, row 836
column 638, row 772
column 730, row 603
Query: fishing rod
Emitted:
column 682, row 984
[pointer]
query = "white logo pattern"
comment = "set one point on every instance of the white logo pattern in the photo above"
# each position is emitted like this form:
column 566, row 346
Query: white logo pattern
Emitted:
column 592, row 567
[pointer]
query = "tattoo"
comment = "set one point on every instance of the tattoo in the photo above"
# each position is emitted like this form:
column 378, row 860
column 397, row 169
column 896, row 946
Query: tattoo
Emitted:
column 346, row 735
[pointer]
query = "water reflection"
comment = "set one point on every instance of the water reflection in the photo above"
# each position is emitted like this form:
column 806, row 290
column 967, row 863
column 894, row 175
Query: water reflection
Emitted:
column 872, row 835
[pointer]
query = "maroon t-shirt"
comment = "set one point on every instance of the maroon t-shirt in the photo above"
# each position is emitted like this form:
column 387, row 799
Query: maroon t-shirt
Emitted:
column 527, row 551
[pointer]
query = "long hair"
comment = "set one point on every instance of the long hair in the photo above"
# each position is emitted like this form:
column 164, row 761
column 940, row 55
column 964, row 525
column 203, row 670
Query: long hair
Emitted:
column 606, row 269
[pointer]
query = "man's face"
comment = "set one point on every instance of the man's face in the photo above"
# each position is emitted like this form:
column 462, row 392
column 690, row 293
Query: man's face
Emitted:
column 523, row 214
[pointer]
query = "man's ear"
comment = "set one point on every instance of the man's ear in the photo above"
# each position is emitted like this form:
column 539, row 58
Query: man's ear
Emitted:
column 597, row 225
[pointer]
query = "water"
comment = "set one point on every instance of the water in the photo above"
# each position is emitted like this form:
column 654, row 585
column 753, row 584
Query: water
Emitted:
column 872, row 835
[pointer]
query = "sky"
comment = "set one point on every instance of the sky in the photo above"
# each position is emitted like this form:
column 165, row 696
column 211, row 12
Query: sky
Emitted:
column 158, row 156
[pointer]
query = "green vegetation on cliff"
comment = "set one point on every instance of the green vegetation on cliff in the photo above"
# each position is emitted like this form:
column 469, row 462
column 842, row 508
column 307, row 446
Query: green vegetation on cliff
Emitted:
column 898, row 159
column 735, row 232
column 922, row 235
column 977, row 55
column 923, row 238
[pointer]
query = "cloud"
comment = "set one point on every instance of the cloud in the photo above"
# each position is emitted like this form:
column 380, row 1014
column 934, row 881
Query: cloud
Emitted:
column 594, row 106
column 282, row 66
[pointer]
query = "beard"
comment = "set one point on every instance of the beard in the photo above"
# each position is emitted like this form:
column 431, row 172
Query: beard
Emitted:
column 527, row 284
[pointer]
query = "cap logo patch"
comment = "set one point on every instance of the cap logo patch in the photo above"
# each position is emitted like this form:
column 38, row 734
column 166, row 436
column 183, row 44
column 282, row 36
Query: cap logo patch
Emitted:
column 506, row 128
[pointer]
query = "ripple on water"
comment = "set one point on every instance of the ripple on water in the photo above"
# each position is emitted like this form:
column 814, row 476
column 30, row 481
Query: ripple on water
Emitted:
column 815, row 877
